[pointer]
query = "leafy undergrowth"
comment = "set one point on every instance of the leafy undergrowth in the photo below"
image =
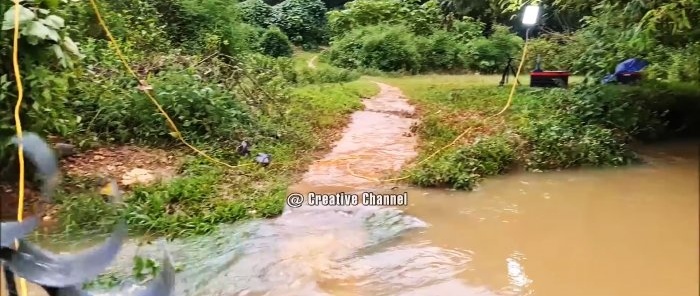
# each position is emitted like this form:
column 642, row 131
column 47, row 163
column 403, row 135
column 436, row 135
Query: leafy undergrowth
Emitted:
column 205, row 194
column 542, row 129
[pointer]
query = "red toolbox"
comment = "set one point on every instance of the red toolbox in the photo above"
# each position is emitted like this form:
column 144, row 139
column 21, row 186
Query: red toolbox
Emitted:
column 549, row 79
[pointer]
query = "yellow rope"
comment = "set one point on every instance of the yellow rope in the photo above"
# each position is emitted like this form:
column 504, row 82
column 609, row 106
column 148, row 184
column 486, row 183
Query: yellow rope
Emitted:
column 145, row 90
column 515, row 81
column 18, row 130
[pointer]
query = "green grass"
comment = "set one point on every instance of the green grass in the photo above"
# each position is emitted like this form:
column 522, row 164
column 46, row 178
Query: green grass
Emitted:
column 302, row 58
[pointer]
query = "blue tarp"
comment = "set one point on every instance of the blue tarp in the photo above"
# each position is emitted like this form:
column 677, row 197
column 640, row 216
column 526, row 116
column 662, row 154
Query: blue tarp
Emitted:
column 628, row 66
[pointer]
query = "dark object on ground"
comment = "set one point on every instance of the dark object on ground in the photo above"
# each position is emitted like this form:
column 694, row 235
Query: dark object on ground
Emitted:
column 627, row 72
column 263, row 159
column 44, row 159
column 65, row 150
column 508, row 69
column 53, row 270
column 243, row 149
column 10, row 231
column 628, row 78
column 549, row 79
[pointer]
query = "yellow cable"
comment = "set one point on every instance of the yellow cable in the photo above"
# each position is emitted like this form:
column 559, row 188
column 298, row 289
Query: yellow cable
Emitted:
column 170, row 122
column 515, row 81
column 18, row 129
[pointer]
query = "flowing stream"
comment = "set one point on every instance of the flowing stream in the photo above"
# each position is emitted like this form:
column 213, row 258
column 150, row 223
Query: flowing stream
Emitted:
column 620, row 231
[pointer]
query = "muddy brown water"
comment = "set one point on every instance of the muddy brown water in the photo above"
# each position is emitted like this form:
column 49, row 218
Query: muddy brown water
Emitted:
column 589, row 232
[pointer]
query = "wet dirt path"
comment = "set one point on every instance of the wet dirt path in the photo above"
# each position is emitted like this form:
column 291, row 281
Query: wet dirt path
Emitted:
column 377, row 141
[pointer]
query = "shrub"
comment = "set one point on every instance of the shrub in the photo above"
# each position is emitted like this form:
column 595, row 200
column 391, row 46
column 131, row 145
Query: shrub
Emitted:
column 675, row 64
column 468, row 29
column 208, row 25
column 667, row 109
column 563, row 142
column 361, row 13
column 326, row 74
column 274, row 43
column 419, row 18
column 489, row 55
column 203, row 111
column 462, row 168
column 591, row 125
column 387, row 48
column 442, row 52
column 557, row 52
column 256, row 12
column 303, row 21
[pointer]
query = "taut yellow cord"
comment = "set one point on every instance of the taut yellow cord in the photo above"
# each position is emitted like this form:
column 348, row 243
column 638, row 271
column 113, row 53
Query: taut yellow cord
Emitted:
column 18, row 129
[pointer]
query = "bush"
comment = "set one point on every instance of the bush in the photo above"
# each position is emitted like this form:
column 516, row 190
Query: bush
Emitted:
column 675, row 64
column 667, row 109
column 557, row 52
column 274, row 43
column 591, row 125
column 442, row 51
column 489, row 55
column 468, row 29
column 256, row 12
column 386, row 48
column 203, row 111
column 326, row 74
column 304, row 21
column 563, row 142
column 419, row 18
column 462, row 168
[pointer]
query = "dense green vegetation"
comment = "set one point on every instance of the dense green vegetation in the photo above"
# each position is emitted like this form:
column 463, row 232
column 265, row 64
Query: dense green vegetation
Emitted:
column 228, row 71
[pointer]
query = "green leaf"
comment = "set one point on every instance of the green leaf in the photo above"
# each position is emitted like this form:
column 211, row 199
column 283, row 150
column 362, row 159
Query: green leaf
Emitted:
column 25, row 15
column 54, row 21
column 60, row 55
column 53, row 4
column 72, row 48
column 39, row 30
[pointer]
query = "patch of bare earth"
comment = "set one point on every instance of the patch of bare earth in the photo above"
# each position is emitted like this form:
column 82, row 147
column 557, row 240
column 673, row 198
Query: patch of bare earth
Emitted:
column 9, row 202
column 128, row 165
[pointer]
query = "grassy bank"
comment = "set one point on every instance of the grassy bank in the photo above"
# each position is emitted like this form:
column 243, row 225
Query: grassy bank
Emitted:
column 542, row 129
column 205, row 194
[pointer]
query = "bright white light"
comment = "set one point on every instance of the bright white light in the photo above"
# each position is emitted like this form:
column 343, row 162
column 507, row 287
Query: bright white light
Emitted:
column 530, row 15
